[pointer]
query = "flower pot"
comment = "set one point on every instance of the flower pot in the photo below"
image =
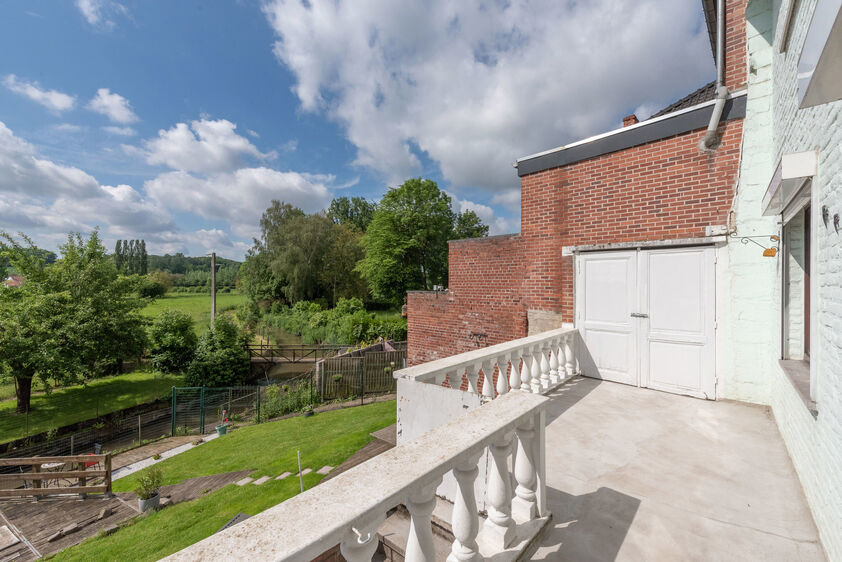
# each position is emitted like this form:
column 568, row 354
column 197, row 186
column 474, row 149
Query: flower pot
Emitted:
column 221, row 429
column 308, row 414
column 151, row 503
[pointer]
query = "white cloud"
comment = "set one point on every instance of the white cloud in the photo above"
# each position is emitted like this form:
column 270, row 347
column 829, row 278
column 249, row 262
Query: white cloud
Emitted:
column 22, row 171
column 51, row 99
column 69, row 128
column 253, row 134
column 205, row 146
column 112, row 105
column 510, row 199
column 119, row 131
column 496, row 224
column 473, row 85
column 100, row 13
column 239, row 197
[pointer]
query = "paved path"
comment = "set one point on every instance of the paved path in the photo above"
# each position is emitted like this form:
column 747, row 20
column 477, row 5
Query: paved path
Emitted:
column 149, row 461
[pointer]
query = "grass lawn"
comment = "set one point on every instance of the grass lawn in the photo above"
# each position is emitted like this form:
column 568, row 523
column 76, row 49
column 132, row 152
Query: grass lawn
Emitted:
column 270, row 449
column 197, row 305
column 72, row 404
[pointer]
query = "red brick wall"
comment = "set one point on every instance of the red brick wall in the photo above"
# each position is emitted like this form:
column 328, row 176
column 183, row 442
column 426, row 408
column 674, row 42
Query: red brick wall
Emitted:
column 483, row 298
column 662, row 190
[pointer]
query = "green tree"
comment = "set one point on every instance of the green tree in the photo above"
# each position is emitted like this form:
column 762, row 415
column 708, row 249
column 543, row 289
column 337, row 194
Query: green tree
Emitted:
column 355, row 212
column 72, row 319
column 143, row 258
column 406, row 242
column 338, row 275
column 118, row 256
column 221, row 358
column 469, row 225
column 172, row 341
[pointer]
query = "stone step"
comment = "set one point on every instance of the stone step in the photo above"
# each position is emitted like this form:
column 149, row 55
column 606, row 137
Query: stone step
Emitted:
column 261, row 480
column 244, row 481
column 284, row 475
column 324, row 470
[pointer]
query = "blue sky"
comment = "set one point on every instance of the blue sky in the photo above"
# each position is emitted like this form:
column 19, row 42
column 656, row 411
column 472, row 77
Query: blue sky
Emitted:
column 178, row 122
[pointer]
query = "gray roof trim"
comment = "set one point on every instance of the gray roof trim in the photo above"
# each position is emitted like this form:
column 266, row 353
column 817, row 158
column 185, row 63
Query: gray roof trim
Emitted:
column 659, row 128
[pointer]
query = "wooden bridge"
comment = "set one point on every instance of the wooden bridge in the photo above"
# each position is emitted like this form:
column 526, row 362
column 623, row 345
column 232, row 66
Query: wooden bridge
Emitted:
column 274, row 354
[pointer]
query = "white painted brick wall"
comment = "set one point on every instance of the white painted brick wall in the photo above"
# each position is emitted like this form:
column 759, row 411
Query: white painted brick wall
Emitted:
column 775, row 126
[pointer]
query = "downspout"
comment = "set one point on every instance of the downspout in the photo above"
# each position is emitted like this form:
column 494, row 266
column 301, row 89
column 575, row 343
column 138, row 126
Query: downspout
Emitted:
column 710, row 141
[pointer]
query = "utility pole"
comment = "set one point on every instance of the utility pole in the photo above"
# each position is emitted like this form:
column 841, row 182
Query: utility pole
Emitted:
column 213, row 286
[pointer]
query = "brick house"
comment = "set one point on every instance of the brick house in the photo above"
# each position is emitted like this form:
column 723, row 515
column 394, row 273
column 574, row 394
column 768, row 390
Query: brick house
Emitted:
column 639, row 188
column 647, row 213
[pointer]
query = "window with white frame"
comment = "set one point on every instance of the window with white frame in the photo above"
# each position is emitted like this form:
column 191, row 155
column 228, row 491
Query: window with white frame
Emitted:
column 796, row 285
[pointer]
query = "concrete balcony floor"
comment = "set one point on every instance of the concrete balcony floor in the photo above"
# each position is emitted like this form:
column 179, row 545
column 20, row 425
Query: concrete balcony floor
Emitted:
column 636, row 474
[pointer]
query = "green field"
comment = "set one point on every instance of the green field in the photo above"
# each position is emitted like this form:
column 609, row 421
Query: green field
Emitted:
column 270, row 449
column 197, row 305
column 73, row 404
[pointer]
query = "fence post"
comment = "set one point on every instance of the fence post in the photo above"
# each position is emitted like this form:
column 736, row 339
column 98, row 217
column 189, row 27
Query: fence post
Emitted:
column 202, row 410
column 139, row 434
column 258, row 404
column 72, row 438
column 108, row 475
column 362, row 381
column 172, row 413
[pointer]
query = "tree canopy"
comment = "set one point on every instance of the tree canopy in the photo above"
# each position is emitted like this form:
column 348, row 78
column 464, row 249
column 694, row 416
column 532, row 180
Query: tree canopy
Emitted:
column 73, row 319
column 354, row 212
column 406, row 243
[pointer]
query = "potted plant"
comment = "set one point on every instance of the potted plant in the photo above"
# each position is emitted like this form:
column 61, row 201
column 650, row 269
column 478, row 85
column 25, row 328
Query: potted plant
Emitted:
column 149, row 489
column 308, row 410
column 222, row 428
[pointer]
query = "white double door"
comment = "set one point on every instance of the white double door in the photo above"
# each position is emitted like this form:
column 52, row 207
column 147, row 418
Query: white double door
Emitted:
column 648, row 318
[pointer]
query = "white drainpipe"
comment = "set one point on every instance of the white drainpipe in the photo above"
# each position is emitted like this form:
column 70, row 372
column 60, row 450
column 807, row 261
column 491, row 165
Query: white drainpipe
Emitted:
column 710, row 141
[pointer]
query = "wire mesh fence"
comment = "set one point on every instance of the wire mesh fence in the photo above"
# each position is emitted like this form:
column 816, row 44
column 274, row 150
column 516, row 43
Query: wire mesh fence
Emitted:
column 111, row 434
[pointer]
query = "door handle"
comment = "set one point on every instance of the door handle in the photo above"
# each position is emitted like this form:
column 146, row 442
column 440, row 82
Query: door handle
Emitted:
column 639, row 315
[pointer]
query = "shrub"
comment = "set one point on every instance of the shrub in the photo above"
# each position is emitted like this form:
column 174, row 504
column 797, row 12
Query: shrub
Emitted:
column 172, row 341
column 278, row 403
column 149, row 483
column 221, row 358
column 147, row 288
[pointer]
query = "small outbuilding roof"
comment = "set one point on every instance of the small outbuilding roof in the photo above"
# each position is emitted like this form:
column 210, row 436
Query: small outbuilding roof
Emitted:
column 703, row 94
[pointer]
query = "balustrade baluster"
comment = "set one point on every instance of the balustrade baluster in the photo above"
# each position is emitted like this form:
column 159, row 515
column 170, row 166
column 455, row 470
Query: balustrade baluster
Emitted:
column 525, row 502
column 545, row 369
column 554, row 378
column 473, row 375
column 525, row 372
column 420, row 504
column 454, row 379
column 499, row 528
column 502, row 375
column 360, row 542
column 488, row 380
column 535, row 374
column 570, row 363
column 562, row 361
column 465, row 515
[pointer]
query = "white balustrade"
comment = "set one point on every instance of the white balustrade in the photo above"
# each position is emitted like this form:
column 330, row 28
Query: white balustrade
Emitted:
column 502, row 375
column 545, row 370
column 499, row 528
column 570, row 365
column 525, row 372
column 420, row 504
column 525, row 502
column 535, row 372
column 348, row 509
column 554, row 378
column 465, row 523
column 488, row 380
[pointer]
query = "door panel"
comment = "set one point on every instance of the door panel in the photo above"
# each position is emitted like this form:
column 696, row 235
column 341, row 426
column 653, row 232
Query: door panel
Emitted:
column 603, row 314
column 669, row 342
column 677, row 338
